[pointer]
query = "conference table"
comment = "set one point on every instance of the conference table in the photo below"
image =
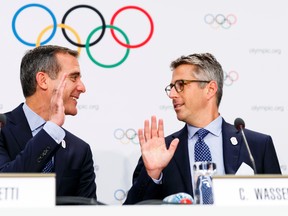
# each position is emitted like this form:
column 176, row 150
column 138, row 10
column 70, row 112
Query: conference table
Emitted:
column 229, row 193
column 146, row 210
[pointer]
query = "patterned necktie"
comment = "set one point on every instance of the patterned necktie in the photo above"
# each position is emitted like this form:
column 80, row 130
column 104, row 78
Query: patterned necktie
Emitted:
column 206, row 190
column 49, row 167
column 202, row 152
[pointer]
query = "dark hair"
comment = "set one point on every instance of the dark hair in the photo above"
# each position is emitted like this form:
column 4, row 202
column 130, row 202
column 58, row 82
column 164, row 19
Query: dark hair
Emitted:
column 42, row 58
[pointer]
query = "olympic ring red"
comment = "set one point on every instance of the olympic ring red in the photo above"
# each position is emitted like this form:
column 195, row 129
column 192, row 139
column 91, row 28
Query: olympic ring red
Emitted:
column 128, row 45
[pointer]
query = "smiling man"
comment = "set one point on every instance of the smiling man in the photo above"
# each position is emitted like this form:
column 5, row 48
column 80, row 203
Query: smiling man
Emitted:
column 33, row 139
column 166, row 164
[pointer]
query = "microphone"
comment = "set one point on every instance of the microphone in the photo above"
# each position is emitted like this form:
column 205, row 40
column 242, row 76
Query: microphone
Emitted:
column 179, row 198
column 240, row 125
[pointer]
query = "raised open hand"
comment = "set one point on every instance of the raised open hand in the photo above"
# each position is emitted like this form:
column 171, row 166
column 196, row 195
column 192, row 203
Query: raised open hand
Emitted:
column 154, row 151
column 57, row 109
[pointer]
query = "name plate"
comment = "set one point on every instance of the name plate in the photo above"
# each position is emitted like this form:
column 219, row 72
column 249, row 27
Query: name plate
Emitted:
column 27, row 190
column 250, row 190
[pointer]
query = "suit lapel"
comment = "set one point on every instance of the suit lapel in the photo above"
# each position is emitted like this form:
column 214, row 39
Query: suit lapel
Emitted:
column 20, row 126
column 231, row 147
column 181, row 158
column 60, row 163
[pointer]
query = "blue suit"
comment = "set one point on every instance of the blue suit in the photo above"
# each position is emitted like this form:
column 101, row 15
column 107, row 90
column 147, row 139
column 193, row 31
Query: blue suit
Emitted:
column 21, row 152
column 177, row 174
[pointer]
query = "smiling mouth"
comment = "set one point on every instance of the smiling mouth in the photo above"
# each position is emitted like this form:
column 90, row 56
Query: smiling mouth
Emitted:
column 74, row 98
column 177, row 106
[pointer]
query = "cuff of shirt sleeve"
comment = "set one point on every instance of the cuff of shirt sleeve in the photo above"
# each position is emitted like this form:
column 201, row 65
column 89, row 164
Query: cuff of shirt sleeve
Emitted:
column 158, row 181
column 55, row 131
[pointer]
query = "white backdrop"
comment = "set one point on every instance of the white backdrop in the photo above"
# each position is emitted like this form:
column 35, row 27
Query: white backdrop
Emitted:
column 249, row 38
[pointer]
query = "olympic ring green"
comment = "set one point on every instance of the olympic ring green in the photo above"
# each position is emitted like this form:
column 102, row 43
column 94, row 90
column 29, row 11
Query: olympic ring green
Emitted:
column 98, row 63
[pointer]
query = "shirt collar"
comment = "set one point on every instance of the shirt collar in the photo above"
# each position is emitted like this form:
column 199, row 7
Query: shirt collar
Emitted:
column 215, row 127
column 34, row 120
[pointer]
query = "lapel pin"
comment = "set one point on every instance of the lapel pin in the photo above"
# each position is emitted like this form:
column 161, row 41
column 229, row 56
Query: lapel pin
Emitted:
column 233, row 140
column 63, row 144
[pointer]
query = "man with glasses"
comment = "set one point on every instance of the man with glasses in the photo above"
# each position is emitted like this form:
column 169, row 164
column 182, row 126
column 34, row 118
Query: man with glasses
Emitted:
column 165, row 167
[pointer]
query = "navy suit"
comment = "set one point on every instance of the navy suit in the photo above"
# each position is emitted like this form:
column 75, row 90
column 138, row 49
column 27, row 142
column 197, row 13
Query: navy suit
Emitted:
column 21, row 152
column 177, row 174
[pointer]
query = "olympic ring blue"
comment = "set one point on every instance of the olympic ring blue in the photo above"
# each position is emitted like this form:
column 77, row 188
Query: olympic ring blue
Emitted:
column 34, row 5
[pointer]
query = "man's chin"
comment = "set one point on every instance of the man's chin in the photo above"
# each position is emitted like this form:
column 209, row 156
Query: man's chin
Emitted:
column 179, row 117
column 72, row 113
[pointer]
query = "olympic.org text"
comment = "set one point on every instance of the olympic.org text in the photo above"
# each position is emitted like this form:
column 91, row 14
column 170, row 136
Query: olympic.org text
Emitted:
column 165, row 107
column 265, row 51
column 268, row 108
column 88, row 107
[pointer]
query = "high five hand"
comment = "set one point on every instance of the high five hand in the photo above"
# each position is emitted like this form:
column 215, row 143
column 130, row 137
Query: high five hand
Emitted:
column 154, row 151
column 57, row 110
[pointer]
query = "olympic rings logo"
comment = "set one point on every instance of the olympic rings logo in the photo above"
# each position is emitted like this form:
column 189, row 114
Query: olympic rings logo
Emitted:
column 88, row 42
column 120, row 195
column 126, row 136
column 220, row 20
column 230, row 78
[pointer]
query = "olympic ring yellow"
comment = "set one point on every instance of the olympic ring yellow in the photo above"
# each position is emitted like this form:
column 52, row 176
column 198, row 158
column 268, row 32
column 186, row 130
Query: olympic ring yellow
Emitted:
column 61, row 26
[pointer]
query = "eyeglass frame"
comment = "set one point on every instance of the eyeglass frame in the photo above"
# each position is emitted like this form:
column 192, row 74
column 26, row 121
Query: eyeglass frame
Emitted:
column 184, row 82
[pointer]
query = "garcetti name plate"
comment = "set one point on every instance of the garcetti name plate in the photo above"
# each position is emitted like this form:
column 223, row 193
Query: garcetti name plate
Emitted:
column 27, row 190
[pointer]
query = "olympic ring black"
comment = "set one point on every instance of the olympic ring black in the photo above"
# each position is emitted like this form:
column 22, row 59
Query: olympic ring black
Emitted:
column 92, row 8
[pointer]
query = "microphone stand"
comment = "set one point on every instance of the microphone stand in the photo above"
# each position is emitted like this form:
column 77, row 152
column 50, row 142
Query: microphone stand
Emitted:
column 248, row 149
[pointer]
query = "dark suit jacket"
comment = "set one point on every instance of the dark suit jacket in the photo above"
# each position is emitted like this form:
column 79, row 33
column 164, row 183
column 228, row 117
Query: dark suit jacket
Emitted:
column 21, row 152
column 177, row 175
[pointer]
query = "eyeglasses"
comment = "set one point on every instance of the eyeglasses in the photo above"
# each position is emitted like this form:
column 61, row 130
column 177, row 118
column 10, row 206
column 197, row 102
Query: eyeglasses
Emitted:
column 179, row 85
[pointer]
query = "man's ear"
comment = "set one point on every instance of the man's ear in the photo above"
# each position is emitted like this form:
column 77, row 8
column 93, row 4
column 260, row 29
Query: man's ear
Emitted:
column 42, row 80
column 212, row 88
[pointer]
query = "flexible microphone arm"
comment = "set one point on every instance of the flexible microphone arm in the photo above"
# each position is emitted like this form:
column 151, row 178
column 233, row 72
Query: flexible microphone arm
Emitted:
column 240, row 125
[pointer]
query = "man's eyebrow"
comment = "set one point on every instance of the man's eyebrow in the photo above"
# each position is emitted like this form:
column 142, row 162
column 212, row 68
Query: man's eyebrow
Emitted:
column 74, row 74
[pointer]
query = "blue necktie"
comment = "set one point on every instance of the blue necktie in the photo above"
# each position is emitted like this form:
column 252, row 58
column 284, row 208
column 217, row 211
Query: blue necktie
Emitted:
column 206, row 189
column 48, row 168
column 202, row 152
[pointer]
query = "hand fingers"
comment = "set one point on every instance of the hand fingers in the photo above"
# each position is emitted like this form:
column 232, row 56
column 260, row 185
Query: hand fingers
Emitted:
column 57, row 110
column 160, row 128
column 58, row 91
column 173, row 146
column 61, row 86
column 141, row 137
column 154, row 129
column 147, row 129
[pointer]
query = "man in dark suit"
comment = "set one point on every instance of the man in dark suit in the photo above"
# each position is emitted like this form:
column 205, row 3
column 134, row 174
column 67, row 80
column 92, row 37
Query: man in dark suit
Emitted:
column 165, row 166
column 33, row 135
